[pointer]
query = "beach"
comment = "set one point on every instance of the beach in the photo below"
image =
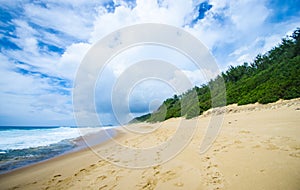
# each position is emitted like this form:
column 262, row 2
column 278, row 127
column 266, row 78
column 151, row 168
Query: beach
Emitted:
column 258, row 147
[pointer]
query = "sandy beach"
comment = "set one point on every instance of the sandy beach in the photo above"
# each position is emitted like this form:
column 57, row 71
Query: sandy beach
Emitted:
column 258, row 147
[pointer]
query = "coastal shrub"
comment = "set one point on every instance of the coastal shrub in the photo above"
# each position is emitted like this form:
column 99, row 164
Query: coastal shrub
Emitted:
column 270, row 77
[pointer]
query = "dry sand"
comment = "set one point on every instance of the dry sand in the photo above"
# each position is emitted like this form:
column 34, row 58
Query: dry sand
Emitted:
column 258, row 147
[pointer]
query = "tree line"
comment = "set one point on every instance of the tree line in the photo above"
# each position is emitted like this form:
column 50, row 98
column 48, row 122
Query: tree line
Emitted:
column 270, row 77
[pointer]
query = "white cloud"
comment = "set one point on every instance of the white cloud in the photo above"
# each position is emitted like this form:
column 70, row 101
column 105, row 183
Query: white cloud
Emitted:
column 24, row 97
column 70, row 60
column 230, row 22
column 248, row 15
column 197, row 77
column 260, row 45
column 25, row 37
column 235, row 31
column 63, row 19
column 176, row 14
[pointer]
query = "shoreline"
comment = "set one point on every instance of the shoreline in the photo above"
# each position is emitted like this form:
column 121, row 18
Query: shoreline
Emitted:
column 258, row 147
column 81, row 145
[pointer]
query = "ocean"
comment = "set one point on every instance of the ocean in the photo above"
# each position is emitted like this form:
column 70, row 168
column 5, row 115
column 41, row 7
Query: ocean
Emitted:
column 22, row 146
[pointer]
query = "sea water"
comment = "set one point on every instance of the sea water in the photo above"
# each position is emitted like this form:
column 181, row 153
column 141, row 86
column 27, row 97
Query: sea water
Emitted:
column 22, row 146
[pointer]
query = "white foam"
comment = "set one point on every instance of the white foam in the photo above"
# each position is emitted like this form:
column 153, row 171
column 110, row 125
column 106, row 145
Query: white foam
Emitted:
column 21, row 139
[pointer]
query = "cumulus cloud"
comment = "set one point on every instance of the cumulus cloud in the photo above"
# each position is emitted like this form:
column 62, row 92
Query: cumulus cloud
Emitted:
column 176, row 13
column 230, row 27
column 46, row 41
column 70, row 60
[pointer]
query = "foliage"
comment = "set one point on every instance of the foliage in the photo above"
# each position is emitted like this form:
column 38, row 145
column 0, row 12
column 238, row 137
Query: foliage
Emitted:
column 270, row 77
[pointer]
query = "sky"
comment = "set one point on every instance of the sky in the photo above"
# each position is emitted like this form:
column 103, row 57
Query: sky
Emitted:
column 42, row 43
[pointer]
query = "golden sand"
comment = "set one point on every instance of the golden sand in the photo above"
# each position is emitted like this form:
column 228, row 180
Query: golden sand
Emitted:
column 258, row 147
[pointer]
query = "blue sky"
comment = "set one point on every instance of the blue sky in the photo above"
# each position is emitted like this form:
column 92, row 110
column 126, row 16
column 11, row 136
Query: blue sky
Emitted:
column 43, row 43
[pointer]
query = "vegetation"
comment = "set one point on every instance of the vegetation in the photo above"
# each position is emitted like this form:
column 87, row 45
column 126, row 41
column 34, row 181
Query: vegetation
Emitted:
column 270, row 77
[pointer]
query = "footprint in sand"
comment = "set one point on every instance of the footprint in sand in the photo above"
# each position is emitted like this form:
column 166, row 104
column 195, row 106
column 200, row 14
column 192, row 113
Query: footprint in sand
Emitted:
column 237, row 142
column 272, row 147
column 256, row 146
column 58, row 175
column 168, row 175
column 80, row 172
column 152, row 176
column 150, row 184
column 101, row 178
column 179, row 184
column 118, row 178
column 92, row 165
column 213, row 177
column 295, row 154
column 54, row 178
column 220, row 149
column 102, row 162
column 102, row 187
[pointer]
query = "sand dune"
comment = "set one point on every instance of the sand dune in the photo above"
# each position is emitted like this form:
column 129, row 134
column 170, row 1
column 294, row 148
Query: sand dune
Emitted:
column 258, row 147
